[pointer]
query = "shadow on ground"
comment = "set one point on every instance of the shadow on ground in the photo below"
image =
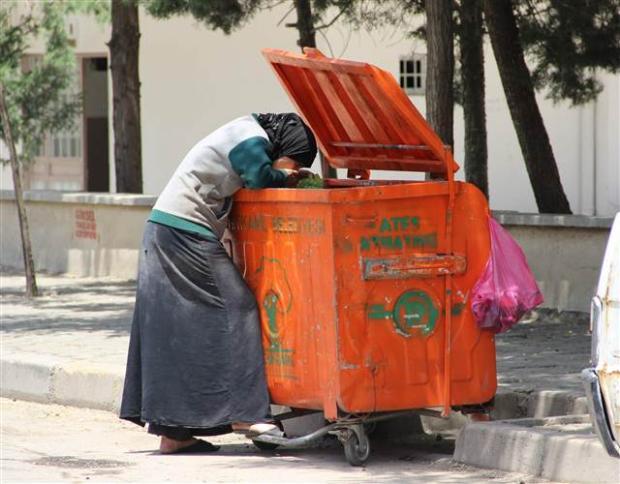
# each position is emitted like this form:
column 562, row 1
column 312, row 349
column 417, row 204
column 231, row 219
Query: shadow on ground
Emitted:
column 69, row 305
column 547, row 350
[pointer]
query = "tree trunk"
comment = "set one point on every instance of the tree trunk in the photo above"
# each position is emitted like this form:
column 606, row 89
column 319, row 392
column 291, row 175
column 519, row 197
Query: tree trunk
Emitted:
column 307, row 38
column 124, row 63
column 472, row 74
column 440, row 68
column 305, row 24
column 31, row 280
column 519, row 90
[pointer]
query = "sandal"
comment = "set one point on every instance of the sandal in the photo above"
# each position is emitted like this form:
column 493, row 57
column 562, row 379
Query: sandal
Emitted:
column 200, row 447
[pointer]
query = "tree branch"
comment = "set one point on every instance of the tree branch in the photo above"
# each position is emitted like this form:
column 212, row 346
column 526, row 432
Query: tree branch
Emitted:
column 285, row 15
column 332, row 21
column 329, row 46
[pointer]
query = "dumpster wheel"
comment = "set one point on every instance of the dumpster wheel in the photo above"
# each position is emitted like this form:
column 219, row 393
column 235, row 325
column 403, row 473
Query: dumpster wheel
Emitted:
column 356, row 444
column 351, row 431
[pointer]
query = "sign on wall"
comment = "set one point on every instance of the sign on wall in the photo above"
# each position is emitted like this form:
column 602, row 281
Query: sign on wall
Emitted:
column 85, row 225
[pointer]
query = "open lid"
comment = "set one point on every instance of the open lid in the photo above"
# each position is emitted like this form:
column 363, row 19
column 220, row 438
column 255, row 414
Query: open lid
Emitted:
column 361, row 117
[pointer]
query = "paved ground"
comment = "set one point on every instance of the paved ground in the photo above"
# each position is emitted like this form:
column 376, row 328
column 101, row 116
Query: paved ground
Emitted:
column 52, row 442
column 74, row 319
column 546, row 351
column 77, row 319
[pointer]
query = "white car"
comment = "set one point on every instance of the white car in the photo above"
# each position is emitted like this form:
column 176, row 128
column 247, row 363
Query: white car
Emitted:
column 602, row 379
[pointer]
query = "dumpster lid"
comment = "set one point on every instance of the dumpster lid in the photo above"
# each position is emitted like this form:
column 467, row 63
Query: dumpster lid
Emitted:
column 361, row 117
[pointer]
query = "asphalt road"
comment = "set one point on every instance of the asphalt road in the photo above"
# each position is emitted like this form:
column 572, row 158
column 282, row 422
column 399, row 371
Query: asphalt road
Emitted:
column 54, row 443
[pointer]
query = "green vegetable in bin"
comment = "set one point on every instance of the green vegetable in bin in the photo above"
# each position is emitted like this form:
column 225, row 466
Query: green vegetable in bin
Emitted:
column 312, row 181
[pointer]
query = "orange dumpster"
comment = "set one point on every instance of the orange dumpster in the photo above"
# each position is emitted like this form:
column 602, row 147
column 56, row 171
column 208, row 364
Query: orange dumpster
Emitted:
column 363, row 286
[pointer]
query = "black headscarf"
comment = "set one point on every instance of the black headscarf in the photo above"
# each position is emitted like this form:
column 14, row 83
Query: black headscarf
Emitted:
column 289, row 136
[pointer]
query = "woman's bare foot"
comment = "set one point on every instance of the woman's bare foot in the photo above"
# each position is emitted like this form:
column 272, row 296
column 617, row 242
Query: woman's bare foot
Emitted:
column 240, row 426
column 170, row 446
column 254, row 429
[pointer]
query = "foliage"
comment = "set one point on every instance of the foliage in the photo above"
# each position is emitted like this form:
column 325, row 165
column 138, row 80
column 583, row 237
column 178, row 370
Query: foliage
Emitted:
column 217, row 14
column 38, row 100
column 312, row 181
column 565, row 41
column 228, row 15
column 405, row 15
column 100, row 9
column 321, row 7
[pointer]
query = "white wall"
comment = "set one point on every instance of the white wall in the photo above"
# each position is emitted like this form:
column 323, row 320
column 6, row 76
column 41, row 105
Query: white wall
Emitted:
column 607, row 147
column 78, row 234
column 194, row 80
column 6, row 182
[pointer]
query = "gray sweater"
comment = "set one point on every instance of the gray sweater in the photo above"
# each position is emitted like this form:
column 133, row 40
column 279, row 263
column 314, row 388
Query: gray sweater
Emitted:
column 201, row 188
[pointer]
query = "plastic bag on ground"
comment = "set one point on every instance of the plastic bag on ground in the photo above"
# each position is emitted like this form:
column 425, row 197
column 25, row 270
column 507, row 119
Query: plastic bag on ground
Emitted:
column 507, row 289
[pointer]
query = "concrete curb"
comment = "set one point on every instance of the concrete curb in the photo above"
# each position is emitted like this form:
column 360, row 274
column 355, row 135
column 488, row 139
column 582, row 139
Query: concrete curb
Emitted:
column 556, row 448
column 539, row 404
column 49, row 380
column 516, row 405
column 29, row 376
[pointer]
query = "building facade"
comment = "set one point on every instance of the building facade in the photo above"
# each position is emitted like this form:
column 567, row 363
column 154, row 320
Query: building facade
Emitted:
column 194, row 79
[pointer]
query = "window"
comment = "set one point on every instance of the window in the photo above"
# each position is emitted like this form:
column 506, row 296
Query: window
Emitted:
column 58, row 164
column 412, row 73
column 66, row 143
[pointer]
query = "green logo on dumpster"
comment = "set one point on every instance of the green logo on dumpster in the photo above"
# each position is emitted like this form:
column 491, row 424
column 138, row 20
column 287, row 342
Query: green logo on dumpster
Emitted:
column 414, row 314
column 276, row 354
column 277, row 301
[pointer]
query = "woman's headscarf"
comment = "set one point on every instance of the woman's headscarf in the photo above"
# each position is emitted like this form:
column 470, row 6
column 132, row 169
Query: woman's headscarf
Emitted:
column 289, row 136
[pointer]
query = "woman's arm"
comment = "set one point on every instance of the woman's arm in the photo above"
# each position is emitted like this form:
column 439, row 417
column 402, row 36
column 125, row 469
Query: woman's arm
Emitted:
column 251, row 162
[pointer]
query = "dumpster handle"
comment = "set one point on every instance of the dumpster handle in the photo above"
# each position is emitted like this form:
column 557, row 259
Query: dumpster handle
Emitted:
column 361, row 220
column 245, row 262
column 447, row 398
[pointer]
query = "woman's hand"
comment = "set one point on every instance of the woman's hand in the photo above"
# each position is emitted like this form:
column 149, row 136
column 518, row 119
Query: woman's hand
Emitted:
column 291, row 168
column 294, row 176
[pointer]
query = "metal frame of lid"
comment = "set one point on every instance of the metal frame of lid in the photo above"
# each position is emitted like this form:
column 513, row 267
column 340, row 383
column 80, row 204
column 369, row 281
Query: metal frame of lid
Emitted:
column 361, row 117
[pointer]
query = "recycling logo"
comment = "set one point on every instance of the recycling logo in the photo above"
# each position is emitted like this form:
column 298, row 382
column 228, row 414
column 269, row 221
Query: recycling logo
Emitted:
column 414, row 314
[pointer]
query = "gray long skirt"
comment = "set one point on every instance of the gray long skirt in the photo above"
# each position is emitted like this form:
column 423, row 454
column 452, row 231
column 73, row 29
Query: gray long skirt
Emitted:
column 195, row 355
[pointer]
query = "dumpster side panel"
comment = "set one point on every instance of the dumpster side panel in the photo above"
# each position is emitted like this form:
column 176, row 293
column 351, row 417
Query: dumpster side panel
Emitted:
column 390, row 259
column 474, row 374
column 351, row 290
column 284, row 251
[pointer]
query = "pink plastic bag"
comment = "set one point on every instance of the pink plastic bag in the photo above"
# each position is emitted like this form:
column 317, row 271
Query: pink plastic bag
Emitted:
column 507, row 289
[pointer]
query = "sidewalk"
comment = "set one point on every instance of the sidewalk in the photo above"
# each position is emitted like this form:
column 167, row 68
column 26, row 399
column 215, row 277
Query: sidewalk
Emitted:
column 69, row 347
column 85, row 322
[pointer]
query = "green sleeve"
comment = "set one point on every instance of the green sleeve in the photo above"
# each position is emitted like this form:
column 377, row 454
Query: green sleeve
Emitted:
column 251, row 162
